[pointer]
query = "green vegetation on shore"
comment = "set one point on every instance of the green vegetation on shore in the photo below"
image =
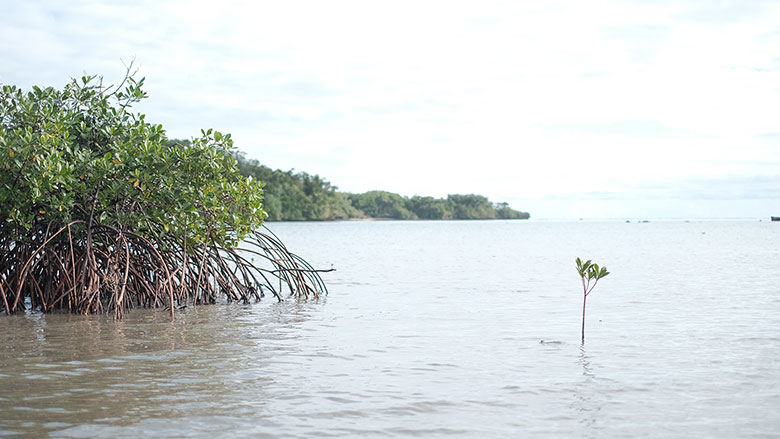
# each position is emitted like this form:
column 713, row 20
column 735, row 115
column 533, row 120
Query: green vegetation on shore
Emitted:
column 300, row 196
column 100, row 212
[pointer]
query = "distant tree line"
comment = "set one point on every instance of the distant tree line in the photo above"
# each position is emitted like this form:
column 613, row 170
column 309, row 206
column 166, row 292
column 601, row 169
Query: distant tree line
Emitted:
column 297, row 196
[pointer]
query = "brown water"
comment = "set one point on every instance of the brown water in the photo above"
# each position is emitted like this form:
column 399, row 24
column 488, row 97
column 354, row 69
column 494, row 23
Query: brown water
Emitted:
column 464, row 329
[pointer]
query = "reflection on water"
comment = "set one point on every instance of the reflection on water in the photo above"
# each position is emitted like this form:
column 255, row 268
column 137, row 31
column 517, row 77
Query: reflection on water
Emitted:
column 587, row 397
column 75, row 373
column 433, row 330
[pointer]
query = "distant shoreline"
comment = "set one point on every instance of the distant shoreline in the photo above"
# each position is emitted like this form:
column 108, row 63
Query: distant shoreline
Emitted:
column 372, row 219
column 626, row 221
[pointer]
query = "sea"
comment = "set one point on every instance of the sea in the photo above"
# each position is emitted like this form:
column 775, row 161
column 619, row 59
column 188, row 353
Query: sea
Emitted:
column 456, row 329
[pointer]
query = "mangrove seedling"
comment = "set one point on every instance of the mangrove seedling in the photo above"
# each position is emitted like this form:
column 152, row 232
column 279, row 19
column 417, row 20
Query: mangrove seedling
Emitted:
column 590, row 274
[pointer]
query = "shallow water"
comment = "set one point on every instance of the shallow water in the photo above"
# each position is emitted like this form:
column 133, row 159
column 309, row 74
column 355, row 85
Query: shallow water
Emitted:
column 434, row 329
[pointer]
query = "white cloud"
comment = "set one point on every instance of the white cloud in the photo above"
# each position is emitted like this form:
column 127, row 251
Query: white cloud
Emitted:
column 510, row 99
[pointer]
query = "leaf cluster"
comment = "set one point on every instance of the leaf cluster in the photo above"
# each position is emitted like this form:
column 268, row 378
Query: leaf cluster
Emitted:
column 80, row 153
column 590, row 272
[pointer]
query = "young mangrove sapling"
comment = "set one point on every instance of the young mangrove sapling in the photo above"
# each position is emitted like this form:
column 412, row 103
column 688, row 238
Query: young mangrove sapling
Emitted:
column 590, row 274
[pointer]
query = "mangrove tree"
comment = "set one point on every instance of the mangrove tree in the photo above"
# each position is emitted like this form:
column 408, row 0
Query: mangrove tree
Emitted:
column 100, row 212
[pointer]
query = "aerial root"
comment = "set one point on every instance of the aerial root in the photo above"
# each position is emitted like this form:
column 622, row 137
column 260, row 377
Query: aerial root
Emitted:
column 102, row 269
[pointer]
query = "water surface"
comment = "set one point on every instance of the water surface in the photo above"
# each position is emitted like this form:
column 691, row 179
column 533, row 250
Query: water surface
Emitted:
column 435, row 329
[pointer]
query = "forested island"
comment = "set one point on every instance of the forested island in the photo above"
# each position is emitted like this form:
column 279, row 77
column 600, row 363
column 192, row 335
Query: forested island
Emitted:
column 299, row 196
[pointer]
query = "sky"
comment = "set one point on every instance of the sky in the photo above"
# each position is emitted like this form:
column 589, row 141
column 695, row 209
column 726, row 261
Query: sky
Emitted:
column 564, row 109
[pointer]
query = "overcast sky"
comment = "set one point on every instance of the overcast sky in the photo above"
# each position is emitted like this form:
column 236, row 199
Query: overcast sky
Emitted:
column 565, row 109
